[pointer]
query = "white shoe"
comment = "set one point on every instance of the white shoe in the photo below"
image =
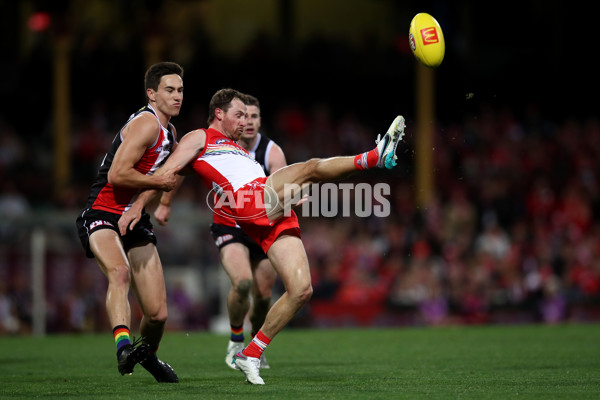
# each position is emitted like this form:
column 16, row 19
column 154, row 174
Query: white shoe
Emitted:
column 232, row 349
column 264, row 364
column 386, row 146
column 250, row 367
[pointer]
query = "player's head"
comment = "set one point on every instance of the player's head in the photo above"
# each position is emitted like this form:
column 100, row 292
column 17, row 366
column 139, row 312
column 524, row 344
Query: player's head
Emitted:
column 227, row 112
column 157, row 71
column 253, row 120
column 222, row 100
column 164, row 87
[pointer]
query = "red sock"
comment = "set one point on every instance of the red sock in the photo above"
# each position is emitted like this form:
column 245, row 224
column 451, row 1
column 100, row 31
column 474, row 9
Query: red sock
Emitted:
column 256, row 347
column 367, row 159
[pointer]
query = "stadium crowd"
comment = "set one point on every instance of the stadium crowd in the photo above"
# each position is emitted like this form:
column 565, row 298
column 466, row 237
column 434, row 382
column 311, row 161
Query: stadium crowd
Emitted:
column 512, row 234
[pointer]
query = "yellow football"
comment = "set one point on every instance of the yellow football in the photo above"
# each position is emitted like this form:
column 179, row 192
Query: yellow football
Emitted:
column 427, row 40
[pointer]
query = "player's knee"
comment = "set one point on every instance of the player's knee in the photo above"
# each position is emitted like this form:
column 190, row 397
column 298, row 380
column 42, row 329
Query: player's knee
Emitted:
column 302, row 294
column 263, row 295
column 158, row 316
column 119, row 276
column 307, row 294
column 242, row 288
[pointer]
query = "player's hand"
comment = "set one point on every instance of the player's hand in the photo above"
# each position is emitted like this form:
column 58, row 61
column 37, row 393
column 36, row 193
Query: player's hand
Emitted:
column 162, row 214
column 304, row 199
column 128, row 220
column 168, row 181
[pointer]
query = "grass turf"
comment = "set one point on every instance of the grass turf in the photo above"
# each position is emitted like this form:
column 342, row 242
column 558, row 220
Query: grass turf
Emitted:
column 481, row 362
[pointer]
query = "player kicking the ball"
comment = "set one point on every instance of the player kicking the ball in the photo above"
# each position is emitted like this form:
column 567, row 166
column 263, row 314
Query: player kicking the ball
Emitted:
column 261, row 205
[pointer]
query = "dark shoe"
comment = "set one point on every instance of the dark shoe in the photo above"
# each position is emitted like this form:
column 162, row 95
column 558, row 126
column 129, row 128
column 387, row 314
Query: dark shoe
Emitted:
column 160, row 370
column 132, row 354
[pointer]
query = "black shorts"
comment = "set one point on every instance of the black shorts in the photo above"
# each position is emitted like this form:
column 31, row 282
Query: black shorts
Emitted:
column 224, row 235
column 93, row 220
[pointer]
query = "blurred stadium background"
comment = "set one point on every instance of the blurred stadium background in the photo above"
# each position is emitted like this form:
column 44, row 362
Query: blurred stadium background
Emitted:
column 495, row 219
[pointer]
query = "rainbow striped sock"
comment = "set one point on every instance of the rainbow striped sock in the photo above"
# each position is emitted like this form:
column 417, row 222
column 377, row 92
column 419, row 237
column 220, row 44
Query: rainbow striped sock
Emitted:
column 237, row 333
column 122, row 338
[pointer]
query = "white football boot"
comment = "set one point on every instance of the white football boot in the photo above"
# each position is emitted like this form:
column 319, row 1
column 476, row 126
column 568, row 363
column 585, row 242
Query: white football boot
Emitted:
column 250, row 367
column 386, row 146
column 232, row 350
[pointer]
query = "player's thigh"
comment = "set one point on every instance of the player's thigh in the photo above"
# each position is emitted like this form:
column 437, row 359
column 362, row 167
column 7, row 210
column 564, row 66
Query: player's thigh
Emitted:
column 108, row 251
column 148, row 278
column 235, row 258
column 264, row 277
column 288, row 257
column 286, row 181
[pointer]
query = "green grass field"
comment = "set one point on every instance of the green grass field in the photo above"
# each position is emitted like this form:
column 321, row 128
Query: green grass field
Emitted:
column 483, row 362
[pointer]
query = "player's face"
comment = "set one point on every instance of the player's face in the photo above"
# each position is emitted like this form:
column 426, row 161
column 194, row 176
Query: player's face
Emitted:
column 234, row 120
column 252, row 122
column 169, row 96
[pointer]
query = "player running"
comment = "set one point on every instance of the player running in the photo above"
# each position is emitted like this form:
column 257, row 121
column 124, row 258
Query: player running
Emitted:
column 130, row 261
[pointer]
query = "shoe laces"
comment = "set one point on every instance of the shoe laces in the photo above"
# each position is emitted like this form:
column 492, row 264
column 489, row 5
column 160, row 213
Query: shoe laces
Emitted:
column 137, row 341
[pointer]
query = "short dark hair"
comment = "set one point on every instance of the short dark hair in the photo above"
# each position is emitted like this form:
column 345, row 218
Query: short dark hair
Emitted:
column 251, row 101
column 158, row 70
column 222, row 99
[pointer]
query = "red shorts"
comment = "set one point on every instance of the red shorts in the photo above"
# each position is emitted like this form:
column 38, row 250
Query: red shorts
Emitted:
column 253, row 219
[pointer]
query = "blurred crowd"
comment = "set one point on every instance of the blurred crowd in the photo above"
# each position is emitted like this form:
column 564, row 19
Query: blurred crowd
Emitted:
column 511, row 235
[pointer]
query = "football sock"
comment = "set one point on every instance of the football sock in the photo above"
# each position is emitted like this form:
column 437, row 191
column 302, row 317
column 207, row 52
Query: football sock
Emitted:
column 237, row 333
column 367, row 159
column 121, row 335
column 256, row 347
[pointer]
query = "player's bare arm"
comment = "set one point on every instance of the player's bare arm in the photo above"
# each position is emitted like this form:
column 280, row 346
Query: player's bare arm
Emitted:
column 162, row 213
column 138, row 135
column 132, row 216
column 193, row 144
column 186, row 151
column 276, row 159
column 188, row 148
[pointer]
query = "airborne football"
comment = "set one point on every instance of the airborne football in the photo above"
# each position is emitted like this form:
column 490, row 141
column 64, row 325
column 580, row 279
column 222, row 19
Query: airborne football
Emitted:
column 427, row 40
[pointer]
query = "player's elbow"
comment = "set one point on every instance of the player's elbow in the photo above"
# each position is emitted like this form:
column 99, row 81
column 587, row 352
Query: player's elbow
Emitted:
column 114, row 178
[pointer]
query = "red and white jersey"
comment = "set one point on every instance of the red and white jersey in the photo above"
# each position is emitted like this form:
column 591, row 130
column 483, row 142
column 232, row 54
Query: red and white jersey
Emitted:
column 106, row 197
column 225, row 163
column 260, row 153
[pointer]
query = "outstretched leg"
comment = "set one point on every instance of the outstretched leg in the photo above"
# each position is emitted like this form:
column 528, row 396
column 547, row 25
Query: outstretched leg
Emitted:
column 284, row 184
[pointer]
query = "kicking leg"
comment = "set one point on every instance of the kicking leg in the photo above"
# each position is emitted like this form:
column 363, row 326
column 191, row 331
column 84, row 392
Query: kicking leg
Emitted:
column 285, row 183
